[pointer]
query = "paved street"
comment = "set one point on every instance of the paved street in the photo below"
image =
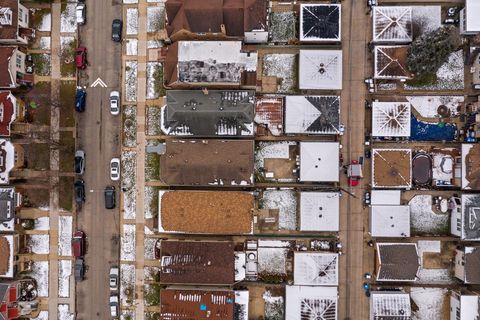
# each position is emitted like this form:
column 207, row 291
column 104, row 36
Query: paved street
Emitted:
column 98, row 135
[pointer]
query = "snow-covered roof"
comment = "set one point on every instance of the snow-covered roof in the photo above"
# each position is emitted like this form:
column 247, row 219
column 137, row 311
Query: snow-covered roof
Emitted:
column 385, row 197
column 390, row 305
column 392, row 168
column 390, row 221
column 309, row 302
column 469, row 307
column 391, row 119
column 315, row 268
column 471, row 217
column 320, row 22
column 241, row 303
column 320, row 69
column 319, row 161
column 390, row 62
column 319, row 211
column 7, row 153
column 392, row 24
column 312, row 114
column 470, row 166
column 472, row 8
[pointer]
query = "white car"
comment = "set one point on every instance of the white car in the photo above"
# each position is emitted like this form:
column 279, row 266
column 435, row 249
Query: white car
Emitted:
column 114, row 103
column 113, row 278
column 115, row 169
column 81, row 13
column 114, row 307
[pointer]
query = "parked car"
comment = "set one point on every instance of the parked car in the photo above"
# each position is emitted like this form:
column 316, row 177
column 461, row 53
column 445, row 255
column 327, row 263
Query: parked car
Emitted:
column 366, row 199
column 79, row 269
column 114, row 103
column 79, row 187
column 117, row 30
column 81, row 58
column 371, row 3
column 114, row 307
column 78, row 243
column 451, row 21
column 79, row 162
column 113, row 278
column 80, row 99
column 81, row 13
column 451, row 12
column 115, row 169
column 110, row 197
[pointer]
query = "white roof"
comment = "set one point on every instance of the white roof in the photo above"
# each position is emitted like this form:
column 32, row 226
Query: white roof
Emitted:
column 319, row 161
column 309, row 302
column 469, row 307
column 315, row 268
column 320, row 69
column 312, row 114
column 242, row 299
column 391, row 119
column 472, row 9
column 390, row 304
column 392, row 24
column 390, row 221
column 385, row 197
column 10, row 255
column 9, row 160
column 320, row 22
column 319, row 211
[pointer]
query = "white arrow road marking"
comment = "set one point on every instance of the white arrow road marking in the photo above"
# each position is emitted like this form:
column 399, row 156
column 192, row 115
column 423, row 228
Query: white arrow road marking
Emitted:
column 98, row 82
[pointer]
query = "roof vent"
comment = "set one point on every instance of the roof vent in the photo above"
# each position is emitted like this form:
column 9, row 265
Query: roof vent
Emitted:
column 5, row 16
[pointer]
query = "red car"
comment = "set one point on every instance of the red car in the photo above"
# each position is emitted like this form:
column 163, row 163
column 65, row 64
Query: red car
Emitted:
column 81, row 58
column 78, row 244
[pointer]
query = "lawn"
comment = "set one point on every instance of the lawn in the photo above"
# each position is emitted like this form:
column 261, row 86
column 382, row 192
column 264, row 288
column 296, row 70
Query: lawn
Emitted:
column 152, row 167
column 40, row 95
column 153, row 121
column 67, row 103
column 67, row 151
column 65, row 193
column 129, row 126
column 37, row 156
column 67, row 52
column 42, row 64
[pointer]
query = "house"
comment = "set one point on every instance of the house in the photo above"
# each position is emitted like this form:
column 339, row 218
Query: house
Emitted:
column 464, row 305
column 8, row 112
column 320, row 22
column 315, row 268
column 469, row 23
column 320, row 69
column 12, row 305
column 9, row 245
column 470, row 166
column 465, row 217
column 319, row 161
column 390, row 305
column 389, row 221
column 207, row 162
column 392, row 168
column 7, row 160
column 12, row 64
column 208, row 113
column 311, row 302
column 319, row 211
column 385, row 197
column 397, row 262
column 269, row 116
column 467, row 264
column 210, row 212
column 312, row 115
column 178, row 304
column 217, row 19
column 196, row 262
column 14, row 23
column 391, row 63
column 391, row 119
column 10, row 200
column 199, row 64
column 392, row 24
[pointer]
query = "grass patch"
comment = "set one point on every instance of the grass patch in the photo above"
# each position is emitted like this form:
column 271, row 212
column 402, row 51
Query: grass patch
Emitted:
column 37, row 156
column 424, row 80
column 43, row 63
column 152, row 315
column 155, row 88
column 151, row 202
column 37, row 16
column 67, row 151
column 152, row 167
column 129, row 120
column 67, row 103
column 65, row 193
column 152, row 294
column 153, row 121
column 40, row 95
column 68, row 45
column 38, row 197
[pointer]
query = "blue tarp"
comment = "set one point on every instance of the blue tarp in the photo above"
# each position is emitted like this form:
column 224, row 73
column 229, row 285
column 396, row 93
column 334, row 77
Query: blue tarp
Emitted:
column 427, row 131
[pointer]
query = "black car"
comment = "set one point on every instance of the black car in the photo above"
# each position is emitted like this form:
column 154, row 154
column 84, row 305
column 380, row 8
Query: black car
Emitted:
column 110, row 197
column 79, row 192
column 117, row 30
column 79, row 269
column 80, row 98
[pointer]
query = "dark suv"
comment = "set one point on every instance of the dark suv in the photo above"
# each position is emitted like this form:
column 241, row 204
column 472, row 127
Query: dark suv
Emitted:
column 117, row 30
column 80, row 97
column 110, row 197
column 79, row 192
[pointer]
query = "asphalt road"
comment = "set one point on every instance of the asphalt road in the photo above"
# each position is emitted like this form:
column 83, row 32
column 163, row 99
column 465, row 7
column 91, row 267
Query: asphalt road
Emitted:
column 98, row 134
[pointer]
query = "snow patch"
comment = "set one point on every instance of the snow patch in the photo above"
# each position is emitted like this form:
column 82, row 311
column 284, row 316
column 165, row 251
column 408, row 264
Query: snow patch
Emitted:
column 286, row 201
column 68, row 20
column 431, row 275
column 64, row 273
column 132, row 21
column 149, row 247
column 64, row 312
column 426, row 18
column 155, row 19
column 65, row 235
column 427, row 106
column 129, row 166
column 282, row 66
column 153, row 69
column 39, row 243
column 423, row 218
column 43, row 315
column 127, row 284
column 132, row 47
column 46, row 23
column 40, row 274
column 131, row 68
column 429, row 301
column 127, row 252
column 272, row 260
column 42, row 223
column 45, row 43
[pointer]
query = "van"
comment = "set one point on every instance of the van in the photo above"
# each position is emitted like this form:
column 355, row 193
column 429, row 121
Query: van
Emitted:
column 78, row 244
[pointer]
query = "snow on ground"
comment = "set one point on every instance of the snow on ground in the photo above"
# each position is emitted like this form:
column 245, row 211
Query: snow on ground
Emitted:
column 150, row 195
column 130, row 1
column 286, row 201
column 129, row 166
column 149, row 247
column 127, row 283
column 65, row 231
column 154, row 44
column 39, row 243
column 422, row 217
column 40, row 274
column 130, row 126
column 131, row 81
column 431, row 275
column 426, row 18
column 44, row 208
column 272, row 260
column 67, row 43
column 147, row 230
column 427, row 106
column 151, row 272
column 127, row 315
column 274, row 306
column 282, row 66
column 45, row 42
column 68, row 21
column 42, row 223
column 272, row 150
column 127, row 252
column 132, row 47
column 43, row 315
column 429, row 301
column 387, row 86
column 64, row 312
column 154, row 1
column 132, row 21
column 153, row 69
column 154, row 115
column 282, row 26
column 46, row 24
column 64, row 273
column 155, row 19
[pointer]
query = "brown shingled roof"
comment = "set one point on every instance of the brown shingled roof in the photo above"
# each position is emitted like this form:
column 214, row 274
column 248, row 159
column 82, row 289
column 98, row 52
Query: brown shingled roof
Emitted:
column 10, row 31
column 7, row 108
column 472, row 266
column 4, row 256
column 398, row 261
column 197, row 262
column 5, row 56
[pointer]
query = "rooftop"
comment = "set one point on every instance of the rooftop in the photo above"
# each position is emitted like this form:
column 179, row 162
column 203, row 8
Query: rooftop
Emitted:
column 7, row 256
column 196, row 262
column 269, row 113
column 385, row 197
column 390, row 62
column 319, row 211
column 471, row 217
column 6, row 78
column 397, row 261
column 320, row 22
column 389, row 305
column 319, row 161
column 392, row 168
column 312, row 114
column 472, row 265
column 7, row 158
column 472, row 7
column 207, row 162
column 471, row 166
column 320, row 69
column 390, row 221
column 215, row 212
column 392, row 24
column 391, row 119
column 469, row 307
column 8, row 203
column 311, row 302
column 8, row 104
column 315, row 268
column 215, row 113
column 10, row 31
